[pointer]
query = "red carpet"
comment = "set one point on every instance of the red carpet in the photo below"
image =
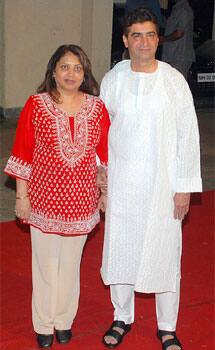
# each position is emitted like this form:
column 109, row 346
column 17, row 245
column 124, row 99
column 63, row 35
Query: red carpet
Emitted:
column 195, row 324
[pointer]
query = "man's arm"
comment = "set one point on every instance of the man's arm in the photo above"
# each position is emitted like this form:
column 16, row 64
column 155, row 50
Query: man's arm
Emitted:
column 188, row 173
column 177, row 34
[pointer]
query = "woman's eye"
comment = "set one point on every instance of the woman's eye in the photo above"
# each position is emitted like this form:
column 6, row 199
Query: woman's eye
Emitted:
column 64, row 66
column 78, row 69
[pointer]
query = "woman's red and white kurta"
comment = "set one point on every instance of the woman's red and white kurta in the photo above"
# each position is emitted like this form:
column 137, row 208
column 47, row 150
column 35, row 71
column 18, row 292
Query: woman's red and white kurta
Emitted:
column 56, row 154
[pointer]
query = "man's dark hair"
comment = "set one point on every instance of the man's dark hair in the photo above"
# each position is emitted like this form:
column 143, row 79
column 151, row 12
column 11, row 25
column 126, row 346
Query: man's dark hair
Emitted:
column 139, row 15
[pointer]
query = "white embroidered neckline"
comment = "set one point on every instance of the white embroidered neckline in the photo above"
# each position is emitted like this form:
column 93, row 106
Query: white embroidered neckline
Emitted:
column 70, row 149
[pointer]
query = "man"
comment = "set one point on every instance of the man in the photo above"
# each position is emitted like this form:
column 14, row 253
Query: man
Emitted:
column 153, row 166
column 178, row 37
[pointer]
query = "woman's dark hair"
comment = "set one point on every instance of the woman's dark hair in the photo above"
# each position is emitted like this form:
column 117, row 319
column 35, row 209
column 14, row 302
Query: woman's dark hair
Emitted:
column 89, row 84
column 139, row 15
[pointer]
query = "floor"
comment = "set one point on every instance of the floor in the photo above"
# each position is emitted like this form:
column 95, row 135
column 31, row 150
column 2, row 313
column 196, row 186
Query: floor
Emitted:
column 7, row 185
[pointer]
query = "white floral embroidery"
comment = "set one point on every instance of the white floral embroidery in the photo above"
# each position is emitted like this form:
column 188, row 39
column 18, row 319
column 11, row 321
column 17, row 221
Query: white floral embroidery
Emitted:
column 57, row 225
column 17, row 167
column 71, row 150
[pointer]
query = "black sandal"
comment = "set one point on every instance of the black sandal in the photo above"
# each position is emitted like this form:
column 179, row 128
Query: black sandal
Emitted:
column 169, row 342
column 115, row 334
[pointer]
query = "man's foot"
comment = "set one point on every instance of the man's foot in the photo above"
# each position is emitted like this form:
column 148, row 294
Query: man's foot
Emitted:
column 44, row 340
column 63, row 336
column 115, row 334
column 169, row 340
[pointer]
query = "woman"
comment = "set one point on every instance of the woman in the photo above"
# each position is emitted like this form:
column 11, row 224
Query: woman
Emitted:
column 60, row 131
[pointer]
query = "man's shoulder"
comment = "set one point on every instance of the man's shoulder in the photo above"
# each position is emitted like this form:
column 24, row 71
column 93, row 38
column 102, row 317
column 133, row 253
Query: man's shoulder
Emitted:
column 122, row 65
column 119, row 68
column 169, row 71
column 174, row 80
column 184, row 10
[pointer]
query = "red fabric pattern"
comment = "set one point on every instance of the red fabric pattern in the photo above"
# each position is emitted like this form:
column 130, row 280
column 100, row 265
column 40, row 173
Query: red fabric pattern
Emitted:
column 57, row 157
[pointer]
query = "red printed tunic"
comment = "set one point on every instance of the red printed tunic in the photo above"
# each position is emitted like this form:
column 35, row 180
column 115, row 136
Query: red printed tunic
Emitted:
column 56, row 154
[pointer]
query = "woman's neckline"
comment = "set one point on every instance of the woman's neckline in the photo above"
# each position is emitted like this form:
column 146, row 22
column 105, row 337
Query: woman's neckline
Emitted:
column 71, row 114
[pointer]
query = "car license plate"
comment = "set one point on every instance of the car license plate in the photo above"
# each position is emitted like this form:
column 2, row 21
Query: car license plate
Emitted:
column 205, row 77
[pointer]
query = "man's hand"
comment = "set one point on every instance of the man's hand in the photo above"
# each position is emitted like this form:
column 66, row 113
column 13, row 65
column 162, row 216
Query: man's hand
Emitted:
column 102, row 204
column 181, row 205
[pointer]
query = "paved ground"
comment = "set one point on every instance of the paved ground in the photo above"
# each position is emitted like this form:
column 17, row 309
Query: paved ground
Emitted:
column 206, row 120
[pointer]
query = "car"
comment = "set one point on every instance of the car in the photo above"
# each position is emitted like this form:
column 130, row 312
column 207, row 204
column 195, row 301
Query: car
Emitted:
column 201, row 76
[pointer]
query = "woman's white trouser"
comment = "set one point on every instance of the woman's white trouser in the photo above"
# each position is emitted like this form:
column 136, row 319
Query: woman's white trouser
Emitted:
column 56, row 280
column 167, row 304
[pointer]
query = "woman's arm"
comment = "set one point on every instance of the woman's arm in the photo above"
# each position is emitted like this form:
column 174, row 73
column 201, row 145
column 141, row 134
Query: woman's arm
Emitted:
column 23, row 206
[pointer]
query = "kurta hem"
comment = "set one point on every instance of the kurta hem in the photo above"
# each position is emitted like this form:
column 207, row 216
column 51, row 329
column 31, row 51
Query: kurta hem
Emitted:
column 58, row 226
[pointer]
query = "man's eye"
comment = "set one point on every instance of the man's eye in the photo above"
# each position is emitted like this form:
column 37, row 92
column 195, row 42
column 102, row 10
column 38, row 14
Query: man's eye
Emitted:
column 136, row 36
column 150, row 35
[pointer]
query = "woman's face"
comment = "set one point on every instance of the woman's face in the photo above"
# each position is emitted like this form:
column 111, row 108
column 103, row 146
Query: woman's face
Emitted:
column 68, row 74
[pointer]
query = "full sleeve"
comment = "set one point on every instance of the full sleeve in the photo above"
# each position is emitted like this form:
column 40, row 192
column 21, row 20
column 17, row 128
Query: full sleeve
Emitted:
column 20, row 162
column 102, row 147
column 188, row 173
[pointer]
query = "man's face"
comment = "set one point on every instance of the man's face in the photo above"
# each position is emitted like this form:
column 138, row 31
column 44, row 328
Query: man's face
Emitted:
column 142, row 41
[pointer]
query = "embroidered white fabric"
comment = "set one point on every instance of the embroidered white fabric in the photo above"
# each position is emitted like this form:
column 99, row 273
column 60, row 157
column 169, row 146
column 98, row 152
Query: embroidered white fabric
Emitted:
column 19, row 168
column 53, row 225
column 153, row 153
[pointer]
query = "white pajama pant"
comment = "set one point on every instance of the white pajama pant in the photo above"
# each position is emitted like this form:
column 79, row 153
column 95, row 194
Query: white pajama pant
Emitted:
column 56, row 280
column 167, row 304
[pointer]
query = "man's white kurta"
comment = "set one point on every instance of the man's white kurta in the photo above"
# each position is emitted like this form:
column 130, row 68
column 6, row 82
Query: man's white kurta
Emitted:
column 153, row 153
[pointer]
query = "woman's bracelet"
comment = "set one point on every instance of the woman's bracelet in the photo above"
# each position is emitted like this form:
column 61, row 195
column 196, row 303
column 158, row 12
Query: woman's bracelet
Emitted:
column 22, row 197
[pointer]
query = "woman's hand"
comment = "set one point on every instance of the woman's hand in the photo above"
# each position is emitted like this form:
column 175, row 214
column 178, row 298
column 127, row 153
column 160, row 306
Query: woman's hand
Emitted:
column 23, row 208
column 23, row 205
column 102, row 179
